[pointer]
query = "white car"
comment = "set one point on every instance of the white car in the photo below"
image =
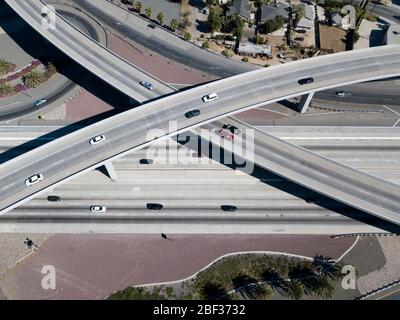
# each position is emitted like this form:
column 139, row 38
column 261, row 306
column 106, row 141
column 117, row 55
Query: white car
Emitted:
column 210, row 97
column 98, row 209
column 34, row 179
column 40, row 102
column 343, row 94
column 97, row 140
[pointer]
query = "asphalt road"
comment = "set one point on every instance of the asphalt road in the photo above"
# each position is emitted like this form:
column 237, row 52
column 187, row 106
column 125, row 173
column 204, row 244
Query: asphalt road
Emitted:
column 24, row 109
column 73, row 153
column 162, row 41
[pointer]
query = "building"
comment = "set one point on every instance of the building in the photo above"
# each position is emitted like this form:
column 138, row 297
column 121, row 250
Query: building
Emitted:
column 272, row 11
column 242, row 8
column 307, row 22
column 255, row 50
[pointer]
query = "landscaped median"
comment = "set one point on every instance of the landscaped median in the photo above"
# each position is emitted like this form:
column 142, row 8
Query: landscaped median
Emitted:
column 250, row 277
column 30, row 76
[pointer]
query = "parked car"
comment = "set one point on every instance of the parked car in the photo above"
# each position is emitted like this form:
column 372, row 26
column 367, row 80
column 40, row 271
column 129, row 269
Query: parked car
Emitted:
column 229, row 208
column 192, row 113
column 305, row 81
column 98, row 209
column 301, row 31
column 147, row 84
column 53, row 199
column 210, row 97
column 154, row 206
column 40, row 102
column 97, row 140
column 299, row 38
column 34, row 179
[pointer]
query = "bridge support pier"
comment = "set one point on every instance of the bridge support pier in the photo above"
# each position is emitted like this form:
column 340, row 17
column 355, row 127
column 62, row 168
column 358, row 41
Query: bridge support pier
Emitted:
column 111, row 170
column 305, row 102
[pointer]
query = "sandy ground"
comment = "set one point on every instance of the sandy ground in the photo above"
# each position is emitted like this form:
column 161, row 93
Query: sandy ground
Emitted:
column 93, row 266
column 331, row 38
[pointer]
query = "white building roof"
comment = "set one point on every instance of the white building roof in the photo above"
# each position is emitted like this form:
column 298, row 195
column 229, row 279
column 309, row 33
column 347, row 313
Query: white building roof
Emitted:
column 305, row 23
column 309, row 11
column 250, row 48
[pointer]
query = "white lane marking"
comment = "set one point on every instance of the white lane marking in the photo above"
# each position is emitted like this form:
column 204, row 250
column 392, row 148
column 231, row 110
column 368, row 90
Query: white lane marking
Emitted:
column 282, row 113
column 349, row 249
column 11, row 104
column 396, row 123
column 395, row 112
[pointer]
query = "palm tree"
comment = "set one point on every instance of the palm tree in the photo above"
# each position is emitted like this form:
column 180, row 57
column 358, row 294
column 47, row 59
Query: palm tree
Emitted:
column 148, row 11
column 5, row 67
column 174, row 24
column 138, row 6
column 33, row 78
column 160, row 18
column 323, row 287
column 295, row 289
column 6, row 89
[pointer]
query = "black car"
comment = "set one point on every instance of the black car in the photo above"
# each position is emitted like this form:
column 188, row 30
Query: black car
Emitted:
column 305, row 81
column 151, row 26
column 154, row 206
column 228, row 208
column 192, row 113
column 146, row 161
column 53, row 198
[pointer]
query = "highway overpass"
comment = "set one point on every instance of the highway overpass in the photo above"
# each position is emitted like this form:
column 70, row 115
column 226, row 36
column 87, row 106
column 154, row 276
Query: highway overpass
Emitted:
column 197, row 190
column 71, row 155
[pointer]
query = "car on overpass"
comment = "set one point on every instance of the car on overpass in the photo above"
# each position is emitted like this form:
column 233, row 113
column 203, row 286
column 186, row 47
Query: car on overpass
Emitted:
column 210, row 97
column 228, row 131
column 192, row 113
column 40, row 102
column 97, row 140
column 147, row 85
column 305, row 81
column 34, row 179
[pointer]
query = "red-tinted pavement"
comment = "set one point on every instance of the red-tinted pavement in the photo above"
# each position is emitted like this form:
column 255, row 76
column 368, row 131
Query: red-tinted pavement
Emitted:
column 160, row 67
column 93, row 266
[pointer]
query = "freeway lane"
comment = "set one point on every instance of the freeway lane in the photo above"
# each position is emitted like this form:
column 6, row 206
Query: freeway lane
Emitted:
column 72, row 154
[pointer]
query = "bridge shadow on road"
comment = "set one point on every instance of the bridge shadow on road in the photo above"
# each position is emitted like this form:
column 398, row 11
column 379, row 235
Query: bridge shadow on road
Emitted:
column 267, row 177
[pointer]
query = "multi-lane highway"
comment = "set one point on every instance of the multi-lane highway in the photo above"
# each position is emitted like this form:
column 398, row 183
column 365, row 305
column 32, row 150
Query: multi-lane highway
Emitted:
column 72, row 154
column 198, row 187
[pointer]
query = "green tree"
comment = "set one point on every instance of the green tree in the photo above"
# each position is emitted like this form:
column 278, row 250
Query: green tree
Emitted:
column 148, row 11
column 187, row 36
column 160, row 18
column 214, row 19
column 6, row 89
column 5, row 67
column 295, row 289
column 138, row 6
column 33, row 78
column 174, row 24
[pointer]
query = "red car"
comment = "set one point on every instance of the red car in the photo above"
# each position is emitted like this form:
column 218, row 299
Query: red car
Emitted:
column 228, row 131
